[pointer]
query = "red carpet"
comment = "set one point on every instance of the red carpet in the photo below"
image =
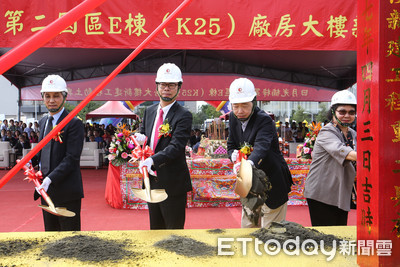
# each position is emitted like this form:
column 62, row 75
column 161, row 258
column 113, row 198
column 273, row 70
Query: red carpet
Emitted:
column 19, row 213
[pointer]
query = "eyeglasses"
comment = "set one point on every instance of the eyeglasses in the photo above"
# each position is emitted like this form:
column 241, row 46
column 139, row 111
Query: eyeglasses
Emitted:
column 343, row 112
column 169, row 85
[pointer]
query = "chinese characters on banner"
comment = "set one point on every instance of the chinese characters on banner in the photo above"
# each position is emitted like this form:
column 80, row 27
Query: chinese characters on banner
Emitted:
column 378, row 127
column 206, row 24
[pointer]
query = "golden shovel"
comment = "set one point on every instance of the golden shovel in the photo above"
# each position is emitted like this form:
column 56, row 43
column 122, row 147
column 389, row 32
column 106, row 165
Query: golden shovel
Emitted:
column 146, row 194
column 32, row 176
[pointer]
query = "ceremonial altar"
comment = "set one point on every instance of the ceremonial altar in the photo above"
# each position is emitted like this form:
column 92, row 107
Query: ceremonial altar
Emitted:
column 212, row 179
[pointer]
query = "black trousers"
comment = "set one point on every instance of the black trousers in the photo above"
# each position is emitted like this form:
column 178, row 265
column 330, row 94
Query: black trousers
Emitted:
column 168, row 214
column 322, row 214
column 60, row 223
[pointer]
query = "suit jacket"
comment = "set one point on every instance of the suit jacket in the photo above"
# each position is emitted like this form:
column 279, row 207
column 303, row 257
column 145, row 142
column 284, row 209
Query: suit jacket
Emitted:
column 261, row 134
column 65, row 174
column 169, row 158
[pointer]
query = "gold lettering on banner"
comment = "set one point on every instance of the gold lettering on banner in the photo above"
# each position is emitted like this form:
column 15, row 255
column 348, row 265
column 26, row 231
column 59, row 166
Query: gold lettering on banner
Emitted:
column 394, row 1
column 107, row 91
column 354, row 29
column 147, row 92
column 266, row 92
column 336, row 26
column 92, row 25
column 117, row 92
column 78, row 92
column 393, row 49
column 310, row 26
column 304, row 92
column 396, row 79
column 212, row 92
column 40, row 17
column 284, row 26
column 285, row 93
column 366, row 71
column 114, row 27
column 397, row 171
column 87, row 91
column 393, row 101
column 258, row 91
column 71, row 28
column 394, row 20
column 128, row 92
column 13, row 25
column 260, row 26
column 276, row 92
column 138, row 24
column 367, row 100
column 294, row 92
column 137, row 92
column 396, row 129
column 183, row 26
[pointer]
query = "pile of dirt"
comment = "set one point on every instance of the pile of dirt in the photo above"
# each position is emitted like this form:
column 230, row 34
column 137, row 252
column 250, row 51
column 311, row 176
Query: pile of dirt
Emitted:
column 12, row 247
column 281, row 232
column 216, row 231
column 88, row 249
column 186, row 246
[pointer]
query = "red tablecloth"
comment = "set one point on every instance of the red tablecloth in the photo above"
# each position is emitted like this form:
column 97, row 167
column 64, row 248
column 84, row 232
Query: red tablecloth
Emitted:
column 212, row 179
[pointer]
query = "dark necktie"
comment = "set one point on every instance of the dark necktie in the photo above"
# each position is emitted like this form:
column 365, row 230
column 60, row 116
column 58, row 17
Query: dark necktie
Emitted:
column 46, row 150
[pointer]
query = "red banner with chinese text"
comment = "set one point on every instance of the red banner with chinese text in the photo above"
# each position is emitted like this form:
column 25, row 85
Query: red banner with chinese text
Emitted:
column 378, row 125
column 205, row 24
column 195, row 87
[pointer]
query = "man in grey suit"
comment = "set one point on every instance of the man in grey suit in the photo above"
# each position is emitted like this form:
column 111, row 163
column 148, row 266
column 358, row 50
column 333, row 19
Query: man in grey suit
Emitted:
column 60, row 159
column 250, row 125
column 169, row 160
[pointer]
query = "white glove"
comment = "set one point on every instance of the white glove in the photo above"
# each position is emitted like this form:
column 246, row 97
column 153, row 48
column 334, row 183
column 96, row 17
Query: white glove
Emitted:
column 45, row 185
column 236, row 168
column 147, row 163
column 251, row 162
column 235, row 155
column 140, row 138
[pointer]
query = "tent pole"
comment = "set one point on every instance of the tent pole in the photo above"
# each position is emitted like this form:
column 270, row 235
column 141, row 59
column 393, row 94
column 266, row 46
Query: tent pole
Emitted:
column 81, row 105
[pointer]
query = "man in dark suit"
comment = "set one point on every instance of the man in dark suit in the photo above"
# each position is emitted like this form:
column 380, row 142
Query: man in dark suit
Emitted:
column 249, row 124
column 169, row 160
column 60, row 161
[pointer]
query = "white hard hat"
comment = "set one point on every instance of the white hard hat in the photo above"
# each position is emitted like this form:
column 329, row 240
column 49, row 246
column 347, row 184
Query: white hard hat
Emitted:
column 169, row 73
column 54, row 83
column 344, row 97
column 241, row 90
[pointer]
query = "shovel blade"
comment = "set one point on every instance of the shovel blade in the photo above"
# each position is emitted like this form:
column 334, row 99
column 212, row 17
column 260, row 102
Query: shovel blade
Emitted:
column 156, row 195
column 58, row 211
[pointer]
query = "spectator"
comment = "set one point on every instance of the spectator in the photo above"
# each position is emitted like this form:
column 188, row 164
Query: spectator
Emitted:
column 4, row 125
column 28, row 129
column 36, row 127
column 33, row 137
column 21, row 144
column 12, row 126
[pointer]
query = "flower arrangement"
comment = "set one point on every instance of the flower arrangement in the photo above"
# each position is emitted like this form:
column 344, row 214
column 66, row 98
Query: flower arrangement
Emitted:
column 309, row 142
column 246, row 149
column 121, row 146
column 164, row 129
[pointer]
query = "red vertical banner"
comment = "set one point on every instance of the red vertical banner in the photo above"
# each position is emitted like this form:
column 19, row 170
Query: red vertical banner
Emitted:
column 378, row 131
